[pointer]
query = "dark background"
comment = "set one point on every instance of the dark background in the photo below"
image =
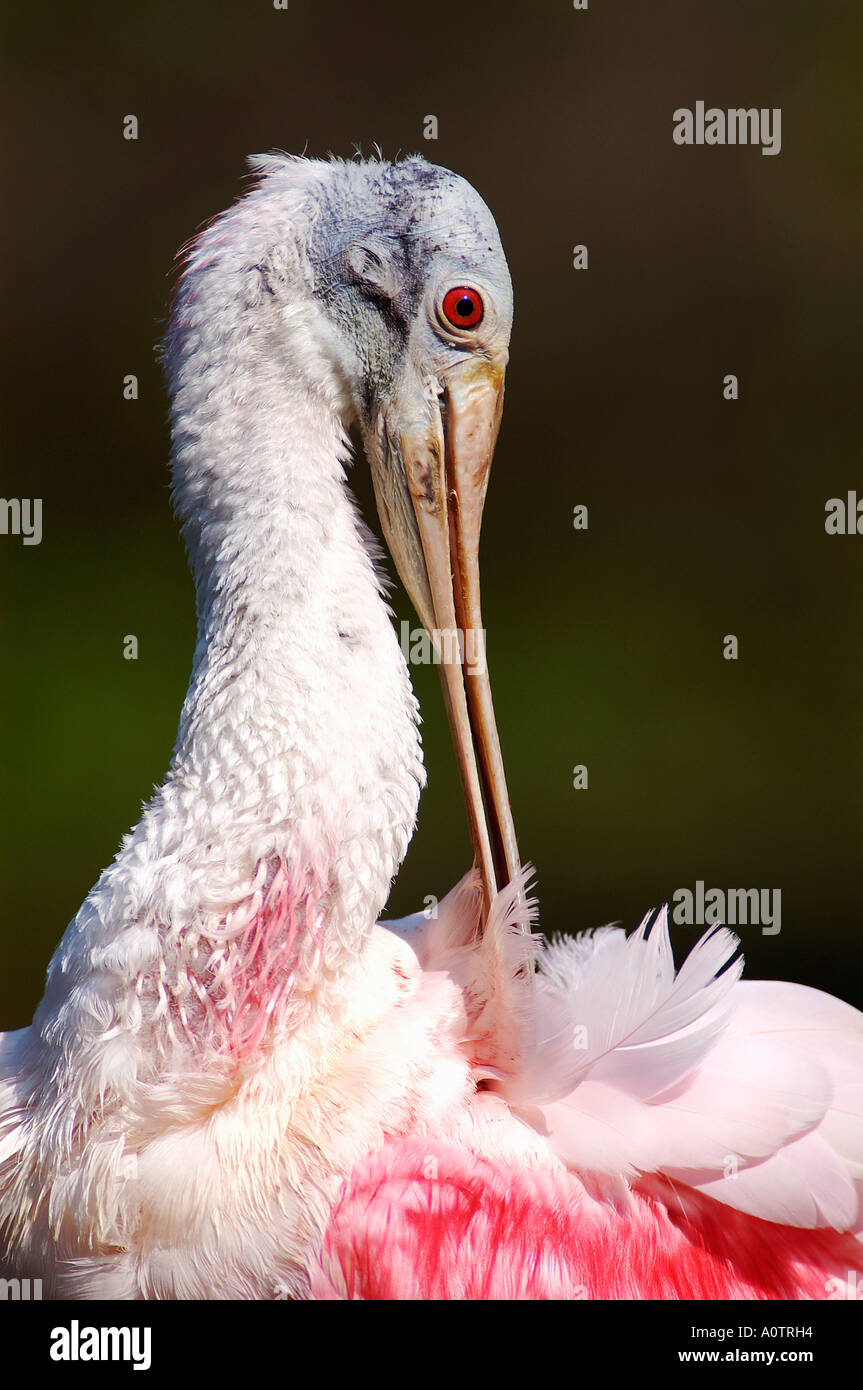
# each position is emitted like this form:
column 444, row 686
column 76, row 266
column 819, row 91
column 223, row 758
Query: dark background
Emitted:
column 706, row 517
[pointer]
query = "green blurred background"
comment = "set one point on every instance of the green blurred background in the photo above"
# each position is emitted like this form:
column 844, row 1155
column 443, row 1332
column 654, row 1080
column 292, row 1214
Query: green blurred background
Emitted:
column 706, row 517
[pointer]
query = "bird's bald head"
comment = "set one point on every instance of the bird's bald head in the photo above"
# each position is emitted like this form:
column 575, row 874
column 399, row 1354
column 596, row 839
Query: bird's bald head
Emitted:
column 389, row 242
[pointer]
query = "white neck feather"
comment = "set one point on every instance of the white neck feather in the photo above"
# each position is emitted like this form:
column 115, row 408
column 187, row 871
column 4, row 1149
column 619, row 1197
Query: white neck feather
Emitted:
column 294, row 786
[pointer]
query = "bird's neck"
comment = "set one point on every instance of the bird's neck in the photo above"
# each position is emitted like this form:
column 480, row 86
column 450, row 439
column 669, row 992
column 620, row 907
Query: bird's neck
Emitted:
column 258, row 870
column 299, row 708
column 298, row 763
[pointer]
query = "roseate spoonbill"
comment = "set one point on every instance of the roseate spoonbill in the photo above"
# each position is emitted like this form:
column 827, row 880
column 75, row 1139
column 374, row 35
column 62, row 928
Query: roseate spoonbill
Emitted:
column 237, row 1084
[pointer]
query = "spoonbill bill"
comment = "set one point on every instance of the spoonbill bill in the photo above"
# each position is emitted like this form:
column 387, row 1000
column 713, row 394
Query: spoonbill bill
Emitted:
column 239, row 1084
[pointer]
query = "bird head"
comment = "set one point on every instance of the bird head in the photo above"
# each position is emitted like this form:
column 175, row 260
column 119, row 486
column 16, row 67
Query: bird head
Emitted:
column 410, row 275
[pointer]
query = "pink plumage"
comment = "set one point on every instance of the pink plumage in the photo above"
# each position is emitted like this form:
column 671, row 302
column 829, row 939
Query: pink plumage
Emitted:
column 264, row 955
column 422, row 1221
column 639, row 1192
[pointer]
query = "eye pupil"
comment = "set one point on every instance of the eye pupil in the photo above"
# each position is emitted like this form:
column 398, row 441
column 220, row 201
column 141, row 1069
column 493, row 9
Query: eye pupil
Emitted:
column 463, row 307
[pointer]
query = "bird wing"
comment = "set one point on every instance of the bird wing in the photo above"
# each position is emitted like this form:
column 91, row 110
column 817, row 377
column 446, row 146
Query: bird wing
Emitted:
column 751, row 1092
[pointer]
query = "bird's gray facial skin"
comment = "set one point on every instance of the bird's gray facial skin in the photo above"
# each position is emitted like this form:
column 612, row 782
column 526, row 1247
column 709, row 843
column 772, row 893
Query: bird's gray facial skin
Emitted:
column 420, row 294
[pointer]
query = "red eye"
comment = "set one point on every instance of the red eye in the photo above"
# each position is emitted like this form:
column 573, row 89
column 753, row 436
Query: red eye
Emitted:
column 462, row 307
